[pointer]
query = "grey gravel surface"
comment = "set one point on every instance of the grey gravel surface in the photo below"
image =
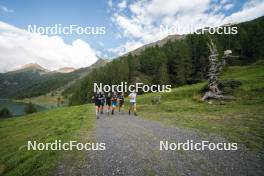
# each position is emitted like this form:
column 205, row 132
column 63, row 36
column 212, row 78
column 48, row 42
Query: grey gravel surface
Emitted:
column 132, row 148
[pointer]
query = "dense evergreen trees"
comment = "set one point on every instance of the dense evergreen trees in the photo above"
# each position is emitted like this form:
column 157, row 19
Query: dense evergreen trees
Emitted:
column 177, row 62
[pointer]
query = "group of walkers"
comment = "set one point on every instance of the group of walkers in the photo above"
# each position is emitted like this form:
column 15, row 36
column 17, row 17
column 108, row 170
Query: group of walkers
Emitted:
column 112, row 101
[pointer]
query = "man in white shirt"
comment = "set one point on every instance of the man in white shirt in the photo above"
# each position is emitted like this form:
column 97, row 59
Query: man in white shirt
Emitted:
column 133, row 96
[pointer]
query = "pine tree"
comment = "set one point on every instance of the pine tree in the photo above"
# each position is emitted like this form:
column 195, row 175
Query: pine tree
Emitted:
column 163, row 75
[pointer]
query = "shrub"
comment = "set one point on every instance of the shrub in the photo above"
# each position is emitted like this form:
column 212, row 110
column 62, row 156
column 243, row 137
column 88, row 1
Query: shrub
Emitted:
column 228, row 86
column 4, row 112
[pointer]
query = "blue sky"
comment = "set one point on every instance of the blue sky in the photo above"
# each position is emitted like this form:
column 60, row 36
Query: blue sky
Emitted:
column 129, row 24
column 50, row 12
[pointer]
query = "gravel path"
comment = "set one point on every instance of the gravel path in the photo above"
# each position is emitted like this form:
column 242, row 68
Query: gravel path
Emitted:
column 132, row 148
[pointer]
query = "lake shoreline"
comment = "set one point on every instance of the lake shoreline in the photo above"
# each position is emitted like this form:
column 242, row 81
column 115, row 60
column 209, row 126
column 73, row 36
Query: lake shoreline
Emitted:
column 17, row 107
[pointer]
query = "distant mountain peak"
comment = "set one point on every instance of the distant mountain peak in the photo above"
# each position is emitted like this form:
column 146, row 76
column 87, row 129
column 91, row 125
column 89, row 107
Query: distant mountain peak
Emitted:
column 101, row 61
column 32, row 67
column 66, row 70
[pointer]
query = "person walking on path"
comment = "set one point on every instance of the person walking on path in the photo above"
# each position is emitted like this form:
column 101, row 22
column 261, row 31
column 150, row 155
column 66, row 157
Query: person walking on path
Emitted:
column 114, row 102
column 97, row 103
column 121, row 100
column 108, row 102
column 132, row 96
column 102, row 100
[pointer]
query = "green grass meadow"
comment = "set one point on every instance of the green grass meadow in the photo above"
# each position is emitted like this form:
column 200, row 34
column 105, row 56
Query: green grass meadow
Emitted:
column 240, row 120
column 64, row 124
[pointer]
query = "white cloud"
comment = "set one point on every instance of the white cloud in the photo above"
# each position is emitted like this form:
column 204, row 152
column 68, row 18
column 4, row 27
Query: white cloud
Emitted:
column 251, row 10
column 4, row 9
column 129, row 26
column 122, row 5
column 142, row 23
column 228, row 6
column 19, row 47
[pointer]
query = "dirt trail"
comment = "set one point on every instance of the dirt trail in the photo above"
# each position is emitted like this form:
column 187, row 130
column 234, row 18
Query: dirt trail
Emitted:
column 132, row 148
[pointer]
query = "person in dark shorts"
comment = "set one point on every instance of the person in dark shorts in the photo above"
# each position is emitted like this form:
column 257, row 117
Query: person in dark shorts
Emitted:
column 108, row 102
column 121, row 100
column 96, row 98
column 114, row 102
column 102, row 100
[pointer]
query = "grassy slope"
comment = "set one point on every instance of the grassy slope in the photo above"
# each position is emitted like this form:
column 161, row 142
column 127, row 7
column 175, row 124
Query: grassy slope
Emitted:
column 240, row 121
column 60, row 124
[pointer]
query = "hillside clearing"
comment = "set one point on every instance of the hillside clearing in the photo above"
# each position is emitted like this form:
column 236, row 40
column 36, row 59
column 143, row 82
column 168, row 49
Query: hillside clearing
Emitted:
column 239, row 121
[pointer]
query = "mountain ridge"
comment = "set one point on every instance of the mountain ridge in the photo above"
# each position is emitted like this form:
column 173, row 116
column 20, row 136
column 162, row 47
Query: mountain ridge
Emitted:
column 34, row 80
column 159, row 43
column 67, row 69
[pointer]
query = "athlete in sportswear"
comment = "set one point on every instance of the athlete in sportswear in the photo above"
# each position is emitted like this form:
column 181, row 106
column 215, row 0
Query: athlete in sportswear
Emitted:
column 121, row 100
column 108, row 102
column 102, row 100
column 97, row 103
column 132, row 101
column 114, row 102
